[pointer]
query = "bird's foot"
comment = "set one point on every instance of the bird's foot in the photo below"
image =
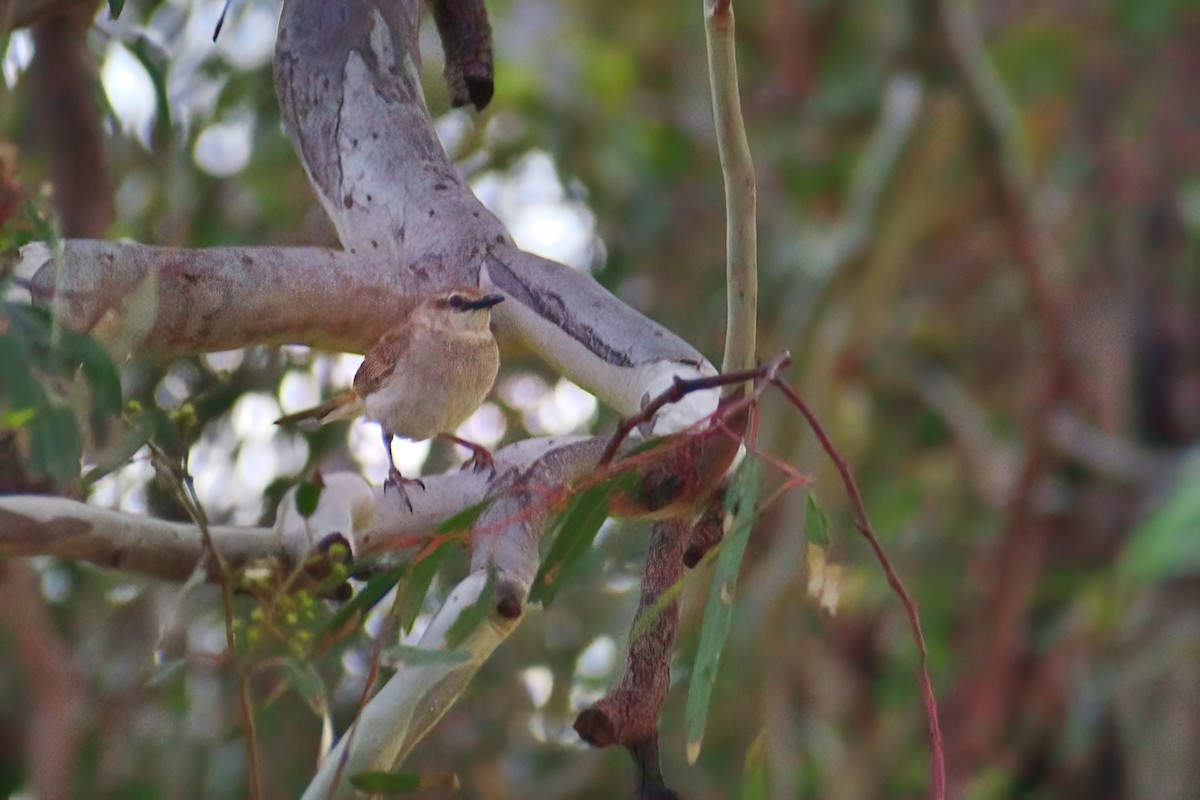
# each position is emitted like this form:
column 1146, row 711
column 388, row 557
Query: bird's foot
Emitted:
column 481, row 458
column 398, row 482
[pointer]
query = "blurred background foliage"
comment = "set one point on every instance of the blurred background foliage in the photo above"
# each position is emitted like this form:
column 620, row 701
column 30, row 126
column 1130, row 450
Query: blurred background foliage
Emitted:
column 1047, row 525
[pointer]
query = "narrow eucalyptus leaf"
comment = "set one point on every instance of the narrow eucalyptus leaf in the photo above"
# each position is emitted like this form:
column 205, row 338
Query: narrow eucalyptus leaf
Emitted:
column 471, row 618
column 407, row 655
column 570, row 537
column 386, row 782
column 718, row 613
column 463, row 520
column 816, row 523
column 133, row 438
column 412, row 593
column 307, row 683
column 57, row 448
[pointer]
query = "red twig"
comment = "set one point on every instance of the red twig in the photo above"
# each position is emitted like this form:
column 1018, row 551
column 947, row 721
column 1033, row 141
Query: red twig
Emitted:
column 680, row 388
column 861, row 521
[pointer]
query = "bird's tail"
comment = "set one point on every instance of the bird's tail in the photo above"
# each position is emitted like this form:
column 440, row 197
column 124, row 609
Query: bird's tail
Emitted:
column 343, row 405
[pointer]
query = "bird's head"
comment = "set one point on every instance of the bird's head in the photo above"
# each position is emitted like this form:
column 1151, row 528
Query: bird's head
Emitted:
column 464, row 309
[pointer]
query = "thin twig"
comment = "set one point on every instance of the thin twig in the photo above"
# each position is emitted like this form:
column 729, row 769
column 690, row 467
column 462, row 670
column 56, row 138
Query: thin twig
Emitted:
column 862, row 522
column 737, row 170
column 185, row 492
column 680, row 388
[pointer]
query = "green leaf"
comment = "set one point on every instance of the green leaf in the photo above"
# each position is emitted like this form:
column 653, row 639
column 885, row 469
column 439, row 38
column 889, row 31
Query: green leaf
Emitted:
column 816, row 522
column 754, row 778
column 19, row 418
column 307, row 683
column 412, row 594
column 308, row 495
column 408, row 655
column 155, row 61
column 103, row 379
column 132, row 439
column 32, row 348
column 402, row 782
column 463, row 520
column 570, row 537
column 366, row 599
column 21, row 392
column 471, row 618
column 42, row 222
column 56, row 447
column 1166, row 545
column 115, row 7
column 718, row 614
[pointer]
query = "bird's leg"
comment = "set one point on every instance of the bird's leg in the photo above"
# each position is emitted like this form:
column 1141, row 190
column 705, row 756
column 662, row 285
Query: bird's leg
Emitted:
column 394, row 478
column 481, row 457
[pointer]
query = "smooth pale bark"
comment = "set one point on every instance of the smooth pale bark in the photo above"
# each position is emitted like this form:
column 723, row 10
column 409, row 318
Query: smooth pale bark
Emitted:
column 347, row 80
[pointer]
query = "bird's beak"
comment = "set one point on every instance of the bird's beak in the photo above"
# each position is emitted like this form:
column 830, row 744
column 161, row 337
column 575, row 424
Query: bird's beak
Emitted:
column 487, row 301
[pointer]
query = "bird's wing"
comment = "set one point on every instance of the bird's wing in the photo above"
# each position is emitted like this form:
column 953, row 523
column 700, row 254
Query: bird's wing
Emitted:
column 380, row 361
column 341, row 406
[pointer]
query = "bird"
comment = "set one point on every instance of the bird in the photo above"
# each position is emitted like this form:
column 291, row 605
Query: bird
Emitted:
column 423, row 377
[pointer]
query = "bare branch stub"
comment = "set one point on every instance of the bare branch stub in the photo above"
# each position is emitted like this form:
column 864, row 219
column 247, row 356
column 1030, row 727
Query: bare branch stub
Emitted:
column 628, row 715
column 467, row 43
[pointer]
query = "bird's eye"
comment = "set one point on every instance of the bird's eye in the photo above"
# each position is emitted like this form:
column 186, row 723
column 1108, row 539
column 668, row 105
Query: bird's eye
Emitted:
column 456, row 301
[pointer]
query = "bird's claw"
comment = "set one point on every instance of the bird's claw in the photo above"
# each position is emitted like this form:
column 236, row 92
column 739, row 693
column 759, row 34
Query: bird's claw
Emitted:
column 398, row 482
column 480, row 460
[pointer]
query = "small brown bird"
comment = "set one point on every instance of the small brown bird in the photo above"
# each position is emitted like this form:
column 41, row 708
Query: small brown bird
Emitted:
column 424, row 377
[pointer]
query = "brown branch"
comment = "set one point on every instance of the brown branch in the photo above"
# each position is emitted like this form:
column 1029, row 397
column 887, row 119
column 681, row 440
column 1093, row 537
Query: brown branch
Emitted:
column 628, row 715
column 52, row 679
column 709, row 528
column 467, row 43
column 67, row 122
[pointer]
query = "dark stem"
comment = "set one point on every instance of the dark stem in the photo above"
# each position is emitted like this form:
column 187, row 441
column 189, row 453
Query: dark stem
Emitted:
column 681, row 388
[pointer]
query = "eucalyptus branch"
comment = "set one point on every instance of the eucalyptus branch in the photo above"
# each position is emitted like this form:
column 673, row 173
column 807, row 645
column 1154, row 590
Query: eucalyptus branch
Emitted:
column 168, row 302
column 628, row 714
column 34, row 525
column 741, row 247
